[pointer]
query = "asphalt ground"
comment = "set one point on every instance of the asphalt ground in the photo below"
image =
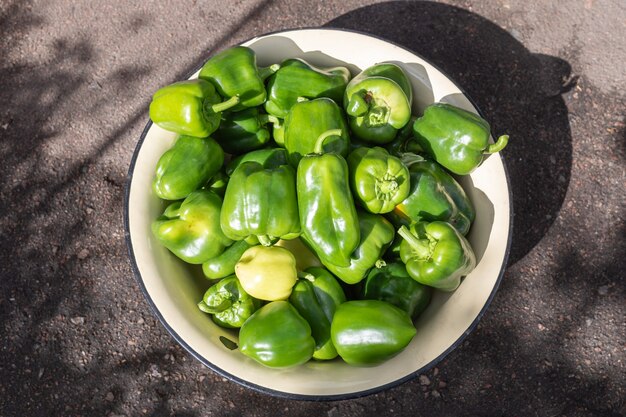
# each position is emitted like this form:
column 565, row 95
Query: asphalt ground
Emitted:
column 78, row 338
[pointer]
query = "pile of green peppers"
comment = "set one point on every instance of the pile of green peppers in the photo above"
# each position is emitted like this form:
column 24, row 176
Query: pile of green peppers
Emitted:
column 339, row 162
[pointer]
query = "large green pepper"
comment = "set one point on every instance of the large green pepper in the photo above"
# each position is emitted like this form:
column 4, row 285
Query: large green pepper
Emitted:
column 186, row 166
column 261, row 202
column 269, row 158
column 229, row 304
column 307, row 120
column 243, row 131
column 378, row 103
column 191, row 229
column 376, row 235
column 393, row 284
column 224, row 264
column 190, row 107
column 368, row 332
column 455, row 138
column 434, row 195
column 436, row 254
column 378, row 180
column 234, row 73
column 277, row 336
column 297, row 79
column 316, row 297
column 330, row 225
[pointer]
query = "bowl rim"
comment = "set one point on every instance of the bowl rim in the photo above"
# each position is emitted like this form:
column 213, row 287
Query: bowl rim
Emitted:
column 288, row 395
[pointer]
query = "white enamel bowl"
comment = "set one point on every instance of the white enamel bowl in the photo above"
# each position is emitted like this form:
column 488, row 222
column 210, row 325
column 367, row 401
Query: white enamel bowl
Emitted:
column 173, row 289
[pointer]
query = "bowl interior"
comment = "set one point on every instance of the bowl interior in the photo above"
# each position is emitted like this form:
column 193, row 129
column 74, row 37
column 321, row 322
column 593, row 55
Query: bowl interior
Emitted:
column 173, row 289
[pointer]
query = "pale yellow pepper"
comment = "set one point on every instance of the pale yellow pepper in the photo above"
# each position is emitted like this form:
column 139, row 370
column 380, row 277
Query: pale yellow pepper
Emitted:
column 267, row 272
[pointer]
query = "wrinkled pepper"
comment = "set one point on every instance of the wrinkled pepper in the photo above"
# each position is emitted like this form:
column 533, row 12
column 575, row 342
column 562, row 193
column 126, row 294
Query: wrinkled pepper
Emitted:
column 223, row 265
column 191, row 229
column 368, row 332
column 243, row 131
column 262, row 203
column 229, row 304
column 234, row 72
column 379, row 181
column 269, row 158
column 393, row 284
column 436, row 254
column 378, row 103
column 376, row 235
column 267, row 272
column 277, row 336
column 316, row 297
column 309, row 119
column 330, row 225
column 434, row 195
column 190, row 107
column 186, row 166
column 297, row 79
column 455, row 138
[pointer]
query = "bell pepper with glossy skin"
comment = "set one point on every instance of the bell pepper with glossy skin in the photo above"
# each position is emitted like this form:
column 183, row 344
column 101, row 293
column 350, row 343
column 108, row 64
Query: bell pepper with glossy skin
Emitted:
column 368, row 332
column 434, row 195
column 223, row 265
column 229, row 304
column 261, row 202
column 191, row 229
column 436, row 254
column 376, row 235
column 267, row 272
column 455, row 138
column 244, row 131
column 307, row 121
column 393, row 284
column 316, row 297
column 297, row 79
column 190, row 108
column 269, row 158
column 186, row 166
column 378, row 180
column 378, row 103
column 235, row 73
column 277, row 336
column 330, row 225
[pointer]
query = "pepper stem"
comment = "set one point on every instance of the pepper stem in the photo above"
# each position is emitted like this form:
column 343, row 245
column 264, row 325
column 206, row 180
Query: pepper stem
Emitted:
column 419, row 246
column 268, row 118
column 265, row 72
column 499, row 145
column 225, row 304
column 225, row 105
column 319, row 143
column 306, row 275
column 266, row 240
column 380, row 264
column 357, row 105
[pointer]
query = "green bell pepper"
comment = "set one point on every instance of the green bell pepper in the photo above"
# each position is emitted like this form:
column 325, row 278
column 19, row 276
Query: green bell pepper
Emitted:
column 455, row 138
column 368, row 332
column 307, row 120
column 186, row 166
column 393, row 284
column 277, row 336
column 376, row 235
column 191, row 229
column 235, row 73
column 378, row 180
column 316, row 297
column 434, row 195
column 190, row 107
column 330, row 225
column 297, row 79
column 229, row 304
column 436, row 254
column 244, row 131
column 267, row 272
column 261, row 202
column 223, row 265
column 378, row 103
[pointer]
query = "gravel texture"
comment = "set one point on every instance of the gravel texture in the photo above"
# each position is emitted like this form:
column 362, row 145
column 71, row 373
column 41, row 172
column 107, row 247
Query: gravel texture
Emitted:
column 78, row 338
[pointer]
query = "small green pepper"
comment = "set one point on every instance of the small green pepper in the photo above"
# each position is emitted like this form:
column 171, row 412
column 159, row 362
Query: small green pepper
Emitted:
column 229, row 304
column 244, row 131
column 186, row 166
column 191, row 229
column 368, row 332
column 379, row 181
column 455, row 138
column 224, row 264
column 436, row 254
column 190, row 108
column 277, row 336
column 234, row 73
column 267, row 272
